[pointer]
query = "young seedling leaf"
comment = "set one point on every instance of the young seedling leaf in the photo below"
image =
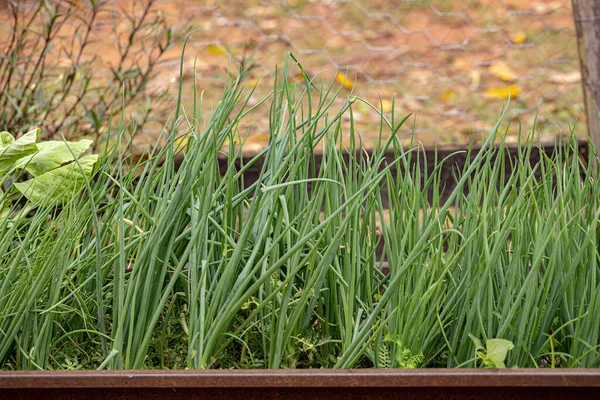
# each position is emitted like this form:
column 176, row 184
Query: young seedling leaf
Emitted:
column 497, row 350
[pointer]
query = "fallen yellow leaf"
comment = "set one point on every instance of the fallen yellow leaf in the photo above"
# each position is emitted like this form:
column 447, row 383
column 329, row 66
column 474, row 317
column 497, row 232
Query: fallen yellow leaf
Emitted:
column 448, row 96
column 216, row 49
column 386, row 106
column 298, row 78
column 518, row 38
column 502, row 71
column 181, row 141
column 343, row 80
column 251, row 83
column 503, row 92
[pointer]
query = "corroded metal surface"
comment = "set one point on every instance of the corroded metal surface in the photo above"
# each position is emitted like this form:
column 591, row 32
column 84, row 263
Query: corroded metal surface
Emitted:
column 304, row 384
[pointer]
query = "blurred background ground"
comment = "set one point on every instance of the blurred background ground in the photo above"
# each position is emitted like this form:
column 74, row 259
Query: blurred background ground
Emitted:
column 451, row 63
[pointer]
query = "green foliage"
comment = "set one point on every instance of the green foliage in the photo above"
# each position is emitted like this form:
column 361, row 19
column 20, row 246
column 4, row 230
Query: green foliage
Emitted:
column 58, row 185
column 57, row 169
column 403, row 358
column 152, row 266
column 51, row 155
column 12, row 150
column 494, row 353
column 50, row 76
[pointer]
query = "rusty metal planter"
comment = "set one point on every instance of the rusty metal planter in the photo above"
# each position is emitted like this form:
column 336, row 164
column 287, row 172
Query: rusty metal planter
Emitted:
column 304, row 384
column 547, row 384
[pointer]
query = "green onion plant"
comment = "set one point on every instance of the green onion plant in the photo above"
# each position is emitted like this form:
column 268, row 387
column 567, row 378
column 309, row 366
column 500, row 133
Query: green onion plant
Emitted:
column 153, row 265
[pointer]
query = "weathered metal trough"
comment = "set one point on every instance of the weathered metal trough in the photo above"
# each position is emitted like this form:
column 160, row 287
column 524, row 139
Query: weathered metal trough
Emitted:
column 426, row 384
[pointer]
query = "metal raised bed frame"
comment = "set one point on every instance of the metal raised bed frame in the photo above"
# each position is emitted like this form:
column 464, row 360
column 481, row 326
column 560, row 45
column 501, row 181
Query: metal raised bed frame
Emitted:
column 422, row 384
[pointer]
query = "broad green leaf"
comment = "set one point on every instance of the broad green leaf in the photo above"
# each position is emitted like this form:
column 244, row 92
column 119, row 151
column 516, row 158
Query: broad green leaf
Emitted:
column 51, row 155
column 59, row 184
column 6, row 139
column 12, row 150
column 496, row 351
column 4, row 205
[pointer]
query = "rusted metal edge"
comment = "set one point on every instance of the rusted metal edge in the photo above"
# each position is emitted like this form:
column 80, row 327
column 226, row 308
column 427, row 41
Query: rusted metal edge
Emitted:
column 359, row 378
column 363, row 384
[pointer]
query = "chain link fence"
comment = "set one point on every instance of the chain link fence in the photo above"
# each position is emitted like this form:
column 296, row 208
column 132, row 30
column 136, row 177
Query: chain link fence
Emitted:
column 451, row 63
